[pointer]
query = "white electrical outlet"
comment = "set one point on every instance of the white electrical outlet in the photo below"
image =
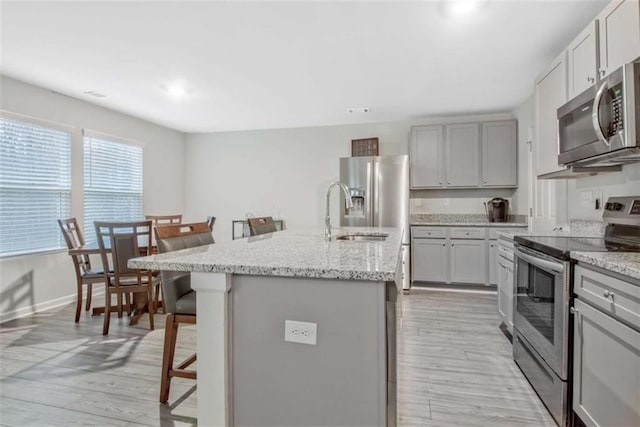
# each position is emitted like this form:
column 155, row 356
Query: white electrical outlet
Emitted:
column 300, row 332
column 445, row 202
column 586, row 199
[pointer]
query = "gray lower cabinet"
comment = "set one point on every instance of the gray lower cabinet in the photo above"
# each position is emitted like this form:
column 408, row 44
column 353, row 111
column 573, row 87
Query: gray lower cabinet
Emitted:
column 493, row 262
column 606, row 370
column 430, row 260
column 505, row 292
column 468, row 262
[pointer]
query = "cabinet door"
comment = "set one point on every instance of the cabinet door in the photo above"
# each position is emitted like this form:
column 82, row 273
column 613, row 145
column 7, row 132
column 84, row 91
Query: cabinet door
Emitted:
column 493, row 262
column 462, row 154
column 582, row 63
column 619, row 30
column 509, row 296
column 499, row 154
column 468, row 262
column 606, row 369
column 551, row 93
column 426, row 153
column 430, row 260
column 502, row 279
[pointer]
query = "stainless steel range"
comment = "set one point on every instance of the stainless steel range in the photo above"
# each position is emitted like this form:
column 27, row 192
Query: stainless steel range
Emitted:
column 544, row 289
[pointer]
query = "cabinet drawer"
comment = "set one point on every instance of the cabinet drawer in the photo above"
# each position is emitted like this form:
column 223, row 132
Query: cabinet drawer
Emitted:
column 468, row 233
column 493, row 232
column 429, row 232
column 615, row 297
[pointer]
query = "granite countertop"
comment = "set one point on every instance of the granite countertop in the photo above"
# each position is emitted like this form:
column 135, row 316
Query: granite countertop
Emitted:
column 465, row 220
column 625, row 263
column 575, row 228
column 296, row 253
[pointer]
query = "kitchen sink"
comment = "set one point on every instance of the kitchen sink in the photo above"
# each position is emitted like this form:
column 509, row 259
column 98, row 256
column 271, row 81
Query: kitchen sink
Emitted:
column 361, row 237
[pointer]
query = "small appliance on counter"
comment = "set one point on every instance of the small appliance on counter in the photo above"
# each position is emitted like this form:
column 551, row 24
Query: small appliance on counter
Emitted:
column 497, row 209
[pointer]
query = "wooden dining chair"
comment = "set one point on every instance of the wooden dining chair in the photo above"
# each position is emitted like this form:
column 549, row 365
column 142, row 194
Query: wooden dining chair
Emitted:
column 180, row 299
column 160, row 220
column 118, row 243
column 85, row 275
column 261, row 225
column 211, row 220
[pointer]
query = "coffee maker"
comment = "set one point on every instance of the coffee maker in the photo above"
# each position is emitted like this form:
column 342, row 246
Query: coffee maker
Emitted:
column 497, row 209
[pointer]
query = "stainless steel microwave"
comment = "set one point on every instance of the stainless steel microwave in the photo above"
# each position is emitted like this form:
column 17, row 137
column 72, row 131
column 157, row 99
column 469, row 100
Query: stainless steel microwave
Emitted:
column 601, row 125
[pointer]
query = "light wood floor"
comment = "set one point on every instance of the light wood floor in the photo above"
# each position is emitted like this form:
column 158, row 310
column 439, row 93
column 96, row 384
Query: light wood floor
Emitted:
column 455, row 368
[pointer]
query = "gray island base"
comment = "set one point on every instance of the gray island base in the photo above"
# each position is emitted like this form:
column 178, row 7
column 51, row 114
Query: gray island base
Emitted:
column 250, row 372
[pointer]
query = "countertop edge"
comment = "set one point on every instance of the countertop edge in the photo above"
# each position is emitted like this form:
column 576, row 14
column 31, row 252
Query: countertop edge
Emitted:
column 612, row 261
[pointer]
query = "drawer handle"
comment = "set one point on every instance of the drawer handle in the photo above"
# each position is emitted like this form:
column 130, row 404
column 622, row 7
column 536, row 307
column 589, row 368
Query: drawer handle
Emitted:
column 573, row 310
column 443, row 244
column 608, row 294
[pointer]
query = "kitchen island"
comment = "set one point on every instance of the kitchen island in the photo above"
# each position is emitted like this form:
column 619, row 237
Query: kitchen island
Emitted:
column 249, row 290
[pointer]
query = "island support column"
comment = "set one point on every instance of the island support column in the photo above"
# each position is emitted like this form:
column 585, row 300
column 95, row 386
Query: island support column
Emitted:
column 212, row 292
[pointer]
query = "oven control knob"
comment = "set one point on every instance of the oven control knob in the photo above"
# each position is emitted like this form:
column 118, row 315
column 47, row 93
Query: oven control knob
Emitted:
column 613, row 206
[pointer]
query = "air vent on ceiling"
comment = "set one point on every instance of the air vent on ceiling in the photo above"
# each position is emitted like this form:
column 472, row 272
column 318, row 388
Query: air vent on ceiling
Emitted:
column 95, row 94
column 358, row 110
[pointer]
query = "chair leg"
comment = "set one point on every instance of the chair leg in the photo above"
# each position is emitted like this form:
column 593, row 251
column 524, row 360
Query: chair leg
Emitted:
column 119, row 300
column 89, row 292
column 127, row 299
column 170, row 335
column 150, row 306
column 79, row 302
column 107, row 312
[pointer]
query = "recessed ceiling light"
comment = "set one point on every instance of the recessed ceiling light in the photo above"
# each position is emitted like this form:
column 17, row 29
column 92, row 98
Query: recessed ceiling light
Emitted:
column 176, row 90
column 358, row 110
column 460, row 7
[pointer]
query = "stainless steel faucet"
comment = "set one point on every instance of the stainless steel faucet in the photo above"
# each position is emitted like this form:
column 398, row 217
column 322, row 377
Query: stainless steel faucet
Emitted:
column 347, row 200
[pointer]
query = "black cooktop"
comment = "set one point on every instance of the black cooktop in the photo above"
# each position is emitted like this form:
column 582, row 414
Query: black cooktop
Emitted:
column 561, row 247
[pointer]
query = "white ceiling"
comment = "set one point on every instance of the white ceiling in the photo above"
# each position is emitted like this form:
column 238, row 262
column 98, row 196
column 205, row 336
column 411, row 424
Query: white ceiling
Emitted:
column 289, row 64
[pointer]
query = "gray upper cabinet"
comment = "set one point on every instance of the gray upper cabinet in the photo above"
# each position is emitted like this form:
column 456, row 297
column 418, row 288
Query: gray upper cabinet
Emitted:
column 582, row 60
column 551, row 93
column 619, row 29
column 462, row 154
column 426, row 152
column 499, row 154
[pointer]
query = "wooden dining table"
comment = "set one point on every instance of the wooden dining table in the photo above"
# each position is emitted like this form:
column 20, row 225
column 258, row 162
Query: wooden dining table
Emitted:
column 140, row 303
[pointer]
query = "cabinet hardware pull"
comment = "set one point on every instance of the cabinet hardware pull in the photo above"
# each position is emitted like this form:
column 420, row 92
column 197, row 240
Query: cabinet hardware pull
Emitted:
column 602, row 72
column 443, row 244
column 573, row 310
column 608, row 294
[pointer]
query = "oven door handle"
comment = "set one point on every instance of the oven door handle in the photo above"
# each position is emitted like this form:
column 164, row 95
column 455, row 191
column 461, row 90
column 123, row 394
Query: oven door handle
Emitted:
column 539, row 262
column 595, row 114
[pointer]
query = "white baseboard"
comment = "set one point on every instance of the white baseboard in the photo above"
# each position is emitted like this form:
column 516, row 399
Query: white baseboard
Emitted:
column 42, row 306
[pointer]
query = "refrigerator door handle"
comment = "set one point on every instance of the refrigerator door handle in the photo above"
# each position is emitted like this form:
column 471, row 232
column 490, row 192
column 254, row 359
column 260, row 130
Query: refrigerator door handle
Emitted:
column 370, row 192
column 375, row 212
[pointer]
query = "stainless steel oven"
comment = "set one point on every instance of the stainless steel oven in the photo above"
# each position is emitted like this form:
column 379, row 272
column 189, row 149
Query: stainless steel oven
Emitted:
column 601, row 125
column 541, row 323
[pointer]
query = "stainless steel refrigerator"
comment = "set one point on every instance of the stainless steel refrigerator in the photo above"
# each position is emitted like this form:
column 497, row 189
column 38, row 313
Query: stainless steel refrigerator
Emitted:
column 380, row 193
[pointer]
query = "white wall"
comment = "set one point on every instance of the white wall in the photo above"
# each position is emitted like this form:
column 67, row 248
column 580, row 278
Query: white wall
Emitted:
column 625, row 183
column 285, row 173
column 43, row 280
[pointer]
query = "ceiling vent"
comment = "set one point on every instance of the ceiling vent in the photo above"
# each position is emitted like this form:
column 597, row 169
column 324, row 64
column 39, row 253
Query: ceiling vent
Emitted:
column 95, row 94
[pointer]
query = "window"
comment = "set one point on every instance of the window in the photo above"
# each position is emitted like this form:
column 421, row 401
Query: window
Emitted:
column 35, row 186
column 112, row 182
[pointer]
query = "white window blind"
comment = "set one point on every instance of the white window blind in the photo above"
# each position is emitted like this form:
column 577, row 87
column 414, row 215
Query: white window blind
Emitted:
column 112, row 182
column 35, row 186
